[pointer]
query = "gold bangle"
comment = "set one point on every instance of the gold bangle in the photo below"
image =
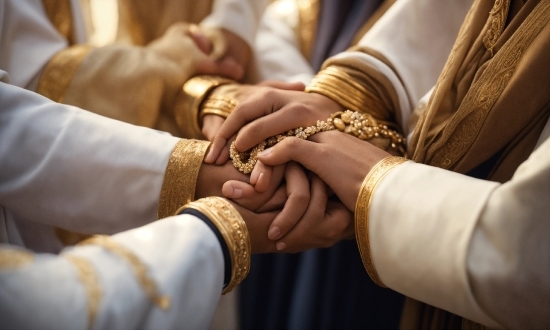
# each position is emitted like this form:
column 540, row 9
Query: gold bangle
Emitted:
column 194, row 91
column 180, row 177
column 233, row 230
column 148, row 285
column 217, row 105
column 338, row 85
column 362, row 206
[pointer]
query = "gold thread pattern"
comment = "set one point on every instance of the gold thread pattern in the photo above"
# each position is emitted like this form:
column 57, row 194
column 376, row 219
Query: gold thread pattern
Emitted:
column 88, row 277
column 11, row 259
column 180, row 178
column 362, row 206
column 339, row 86
column 499, row 13
column 148, row 285
column 188, row 104
column 234, row 231
column 58, row 73
column 465, row 125
column 60, row 15
column 308, row 13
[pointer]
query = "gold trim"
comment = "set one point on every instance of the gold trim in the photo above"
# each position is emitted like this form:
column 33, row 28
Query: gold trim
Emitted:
column 148, row 285
column 60, row 14
column 218, row 105
column 233, row 230
column 362, row 206
column 338, row 85
column 496, row 27
column 308, row 14
column 464, row 126
column 180, row 178
column 58, row 73
column 88, row 277
column 187, row 108
column 11, row 259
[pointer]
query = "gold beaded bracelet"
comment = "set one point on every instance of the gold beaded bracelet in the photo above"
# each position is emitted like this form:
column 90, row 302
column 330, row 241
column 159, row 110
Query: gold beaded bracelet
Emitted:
column 233, row 230
column 360, row 125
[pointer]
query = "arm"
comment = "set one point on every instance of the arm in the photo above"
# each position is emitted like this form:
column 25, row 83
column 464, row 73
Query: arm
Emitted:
column 180, row 264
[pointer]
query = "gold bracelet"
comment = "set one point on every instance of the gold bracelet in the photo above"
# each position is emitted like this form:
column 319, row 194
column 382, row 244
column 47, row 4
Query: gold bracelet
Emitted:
column 339, row 86
column 371, row 181
column 217, row 105
column 148, row 285
column 180, row 177
column 360, row 125
column 233, row 230
column 195, row 90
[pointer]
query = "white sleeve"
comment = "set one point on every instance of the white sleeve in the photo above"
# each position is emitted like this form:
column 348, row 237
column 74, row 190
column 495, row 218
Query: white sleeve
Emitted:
column 66, row 167
column 476, row 248
column 181, row 254
column 241, row 17
column 416, row 37
column 28, row 40
column 276, row 49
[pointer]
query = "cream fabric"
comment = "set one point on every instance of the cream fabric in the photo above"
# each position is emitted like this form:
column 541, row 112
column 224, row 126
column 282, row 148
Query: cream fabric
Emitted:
column 476, row 248
column 65, row 167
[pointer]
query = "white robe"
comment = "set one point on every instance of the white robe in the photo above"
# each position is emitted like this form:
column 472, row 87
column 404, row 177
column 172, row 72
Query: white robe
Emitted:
column 476, row 248
column 65, row 167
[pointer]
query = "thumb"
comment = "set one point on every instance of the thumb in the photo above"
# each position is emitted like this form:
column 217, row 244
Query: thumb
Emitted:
column 226, row 67
column 291, row 86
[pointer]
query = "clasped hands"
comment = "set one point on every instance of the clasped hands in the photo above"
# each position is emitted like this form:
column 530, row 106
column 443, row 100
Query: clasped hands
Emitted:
column 301, row 193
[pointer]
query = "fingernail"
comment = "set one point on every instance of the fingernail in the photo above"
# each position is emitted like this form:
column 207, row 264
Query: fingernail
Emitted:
column 254, row 177
column 265, row 153
column 280, row 246
column 274, row 233
column 209, row 156
column 237, row 193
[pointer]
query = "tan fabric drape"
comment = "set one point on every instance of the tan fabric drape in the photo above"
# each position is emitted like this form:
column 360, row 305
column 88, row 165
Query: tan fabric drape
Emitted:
column 488, row 109
column 140, row 22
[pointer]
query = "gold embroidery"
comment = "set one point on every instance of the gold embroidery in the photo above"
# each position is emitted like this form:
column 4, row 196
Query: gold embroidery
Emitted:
column 308, row 12
column 233, row 230
column 499, row 14
column 60, row 15
column 180, row 178
column 465, row 125
column 362, row 206
column 58, row 73
column 11, row 259
column 140, row 270
column 89, row 278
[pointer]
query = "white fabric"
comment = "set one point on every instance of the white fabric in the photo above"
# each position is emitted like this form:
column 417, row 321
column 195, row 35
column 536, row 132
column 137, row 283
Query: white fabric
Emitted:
column 28, row 40
column 277, row 52
column 62, row 166
column 182, row 255
column 476, row 248
column 416, row 36
column 238, row 16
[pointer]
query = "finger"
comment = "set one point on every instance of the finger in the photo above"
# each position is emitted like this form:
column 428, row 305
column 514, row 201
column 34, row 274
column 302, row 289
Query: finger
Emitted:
column 226, row 67
column 261, row 176
column 307, row 153
column 257, row 225
column 300, row 237
column 276, row 202
column 224, row 154
column 210, row 126
column 202, row 42
column 298, row 199
column 219, row 43
column 288, row 117
column 291, row 86
column 247, row 111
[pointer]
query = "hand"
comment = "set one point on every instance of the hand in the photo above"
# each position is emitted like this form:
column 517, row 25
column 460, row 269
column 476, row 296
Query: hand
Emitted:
column 212, row 123
column 339, row 159
column 212, row 178
column 296, row 198
column 266, row 113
